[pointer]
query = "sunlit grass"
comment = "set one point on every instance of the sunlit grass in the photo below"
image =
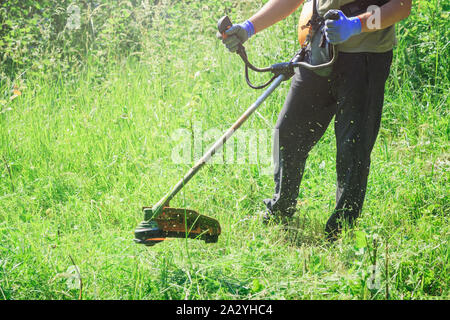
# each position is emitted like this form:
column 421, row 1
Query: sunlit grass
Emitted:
column 79, row 158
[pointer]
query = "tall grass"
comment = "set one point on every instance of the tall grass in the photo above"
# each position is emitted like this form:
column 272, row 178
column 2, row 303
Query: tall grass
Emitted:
column 81, row 155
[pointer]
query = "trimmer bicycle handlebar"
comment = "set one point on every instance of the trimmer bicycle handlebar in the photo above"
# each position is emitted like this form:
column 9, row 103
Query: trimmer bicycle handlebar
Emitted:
column 285, row 68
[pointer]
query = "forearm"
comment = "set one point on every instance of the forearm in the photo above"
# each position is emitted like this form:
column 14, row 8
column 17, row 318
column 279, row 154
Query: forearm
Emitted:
column 272, row 12
column 390, row 13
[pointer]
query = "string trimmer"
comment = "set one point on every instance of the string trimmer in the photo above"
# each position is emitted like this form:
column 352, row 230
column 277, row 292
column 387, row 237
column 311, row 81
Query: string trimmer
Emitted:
column 161, row 221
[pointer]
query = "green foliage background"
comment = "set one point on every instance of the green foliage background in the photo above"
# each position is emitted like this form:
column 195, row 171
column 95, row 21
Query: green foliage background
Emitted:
column 86, row 118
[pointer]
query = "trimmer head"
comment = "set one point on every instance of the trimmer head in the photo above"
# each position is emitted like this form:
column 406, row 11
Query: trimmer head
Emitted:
column 176, row 223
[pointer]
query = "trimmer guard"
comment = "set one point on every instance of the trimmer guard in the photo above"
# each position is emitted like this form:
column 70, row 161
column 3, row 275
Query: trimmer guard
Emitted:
column 176, row 223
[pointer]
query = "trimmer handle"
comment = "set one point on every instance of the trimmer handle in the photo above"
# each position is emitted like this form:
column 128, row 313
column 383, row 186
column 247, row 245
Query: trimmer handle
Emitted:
column 332, row 15
column 223, row 25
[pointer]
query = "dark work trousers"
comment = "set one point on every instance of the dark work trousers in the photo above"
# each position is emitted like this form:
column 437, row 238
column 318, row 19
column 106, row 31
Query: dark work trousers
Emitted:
column 354, row 94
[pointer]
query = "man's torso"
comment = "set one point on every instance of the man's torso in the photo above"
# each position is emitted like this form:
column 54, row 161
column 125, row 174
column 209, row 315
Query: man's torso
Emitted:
column 377, row 41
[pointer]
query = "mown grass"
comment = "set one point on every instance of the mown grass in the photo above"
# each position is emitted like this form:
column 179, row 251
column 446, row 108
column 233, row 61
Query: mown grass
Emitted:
column 82, row 155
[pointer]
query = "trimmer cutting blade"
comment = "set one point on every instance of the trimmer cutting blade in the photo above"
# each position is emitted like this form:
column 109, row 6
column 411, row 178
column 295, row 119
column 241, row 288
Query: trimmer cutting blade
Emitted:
column 176, row 223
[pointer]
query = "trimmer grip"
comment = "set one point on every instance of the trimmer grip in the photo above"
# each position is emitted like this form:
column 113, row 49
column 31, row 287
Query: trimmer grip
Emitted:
column 332, row 15
column 223, row 25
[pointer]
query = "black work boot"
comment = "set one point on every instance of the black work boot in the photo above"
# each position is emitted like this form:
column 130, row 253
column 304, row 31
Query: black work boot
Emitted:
column 336, row 223
column 279, row 218
column 332, row 232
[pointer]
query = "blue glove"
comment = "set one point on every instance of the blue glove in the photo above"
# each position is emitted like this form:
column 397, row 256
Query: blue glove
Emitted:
column 338, row 31
column 237, row 34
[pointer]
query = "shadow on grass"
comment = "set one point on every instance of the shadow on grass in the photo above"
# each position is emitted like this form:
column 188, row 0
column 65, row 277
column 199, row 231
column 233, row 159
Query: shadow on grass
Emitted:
column 197, row 284
column 304, row 229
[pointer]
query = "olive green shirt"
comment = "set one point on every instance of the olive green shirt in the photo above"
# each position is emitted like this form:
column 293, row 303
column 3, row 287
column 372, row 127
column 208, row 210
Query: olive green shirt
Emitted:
column 376, row 41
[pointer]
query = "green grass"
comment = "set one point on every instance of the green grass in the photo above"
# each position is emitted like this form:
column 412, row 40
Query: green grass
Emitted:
column 80, row 157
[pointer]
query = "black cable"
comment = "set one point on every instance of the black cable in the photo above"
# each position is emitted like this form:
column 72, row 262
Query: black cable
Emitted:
column 257, row 87
column 243, row 54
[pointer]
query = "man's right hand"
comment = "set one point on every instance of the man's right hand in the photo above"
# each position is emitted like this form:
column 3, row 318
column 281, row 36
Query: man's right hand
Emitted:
column 237, row 34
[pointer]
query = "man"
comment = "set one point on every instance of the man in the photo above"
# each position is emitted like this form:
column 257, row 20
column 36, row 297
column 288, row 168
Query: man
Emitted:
column 353, row 94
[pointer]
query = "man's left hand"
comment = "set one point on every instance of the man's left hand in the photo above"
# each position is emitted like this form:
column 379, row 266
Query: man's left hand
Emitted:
column 338, row 31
